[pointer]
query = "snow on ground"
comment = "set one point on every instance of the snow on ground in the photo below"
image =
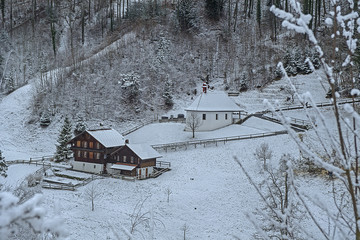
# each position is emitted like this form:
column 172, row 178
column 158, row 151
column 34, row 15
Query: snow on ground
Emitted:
column 158, row 133
column 73, row 174
column 18, row 140
column 209, row 194
column 16, row 174
column 315, row 83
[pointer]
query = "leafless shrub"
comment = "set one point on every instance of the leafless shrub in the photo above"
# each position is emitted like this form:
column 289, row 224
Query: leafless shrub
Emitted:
column 92, row 192
column 193, row 122
column 263, row 153
column 168, row 193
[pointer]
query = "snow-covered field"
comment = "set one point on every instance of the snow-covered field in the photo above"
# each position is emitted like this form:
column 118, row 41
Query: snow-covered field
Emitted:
column 209, row 192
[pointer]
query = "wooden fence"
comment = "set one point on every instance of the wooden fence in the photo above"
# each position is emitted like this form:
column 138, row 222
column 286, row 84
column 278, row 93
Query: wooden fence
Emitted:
column 323, row 104
column 215, row 141
column 306, row 124
column 175, row 120
column 58, row 186
column 137, row 127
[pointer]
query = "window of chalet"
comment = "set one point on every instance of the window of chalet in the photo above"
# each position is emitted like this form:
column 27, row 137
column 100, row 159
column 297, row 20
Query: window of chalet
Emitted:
column 85, row 154
column 132, row 159
column 79, row 153
column 91, row 155
column 85, row 144
column 217, row 117
column 124, row 158
column 97, row 145
column 91, row 145
column 204, row 116
column 78, row 143
column 94, row 166
column 98, row 156
column 118, row 158
column 225, row 116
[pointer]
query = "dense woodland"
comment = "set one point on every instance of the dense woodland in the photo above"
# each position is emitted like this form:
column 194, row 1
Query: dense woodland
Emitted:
column 118, row 59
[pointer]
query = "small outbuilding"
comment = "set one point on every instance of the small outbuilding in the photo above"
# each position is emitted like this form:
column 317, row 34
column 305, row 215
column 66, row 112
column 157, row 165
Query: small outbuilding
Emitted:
column 210, row 111
column 137, row 160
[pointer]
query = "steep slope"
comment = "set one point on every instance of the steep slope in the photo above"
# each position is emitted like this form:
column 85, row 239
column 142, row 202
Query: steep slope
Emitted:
column 18, row 139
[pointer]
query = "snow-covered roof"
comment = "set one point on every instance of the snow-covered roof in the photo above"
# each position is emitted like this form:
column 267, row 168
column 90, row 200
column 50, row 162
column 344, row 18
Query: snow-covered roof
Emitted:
column 213, row 102
column 123, row 167
column 144, row 151
column 107, row 137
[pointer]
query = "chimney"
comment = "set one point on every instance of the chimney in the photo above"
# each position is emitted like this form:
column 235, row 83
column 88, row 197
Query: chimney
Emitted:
column 204, row 87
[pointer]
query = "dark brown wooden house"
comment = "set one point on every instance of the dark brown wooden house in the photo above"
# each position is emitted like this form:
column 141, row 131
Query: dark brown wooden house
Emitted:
column 91, row 149
column 134, row 160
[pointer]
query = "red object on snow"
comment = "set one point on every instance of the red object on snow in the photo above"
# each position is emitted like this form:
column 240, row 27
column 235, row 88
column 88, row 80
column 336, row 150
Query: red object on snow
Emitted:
column 204, row 87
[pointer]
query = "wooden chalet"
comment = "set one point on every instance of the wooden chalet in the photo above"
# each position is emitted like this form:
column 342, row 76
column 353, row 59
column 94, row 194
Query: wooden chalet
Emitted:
column 133, row 160
column 91, row 149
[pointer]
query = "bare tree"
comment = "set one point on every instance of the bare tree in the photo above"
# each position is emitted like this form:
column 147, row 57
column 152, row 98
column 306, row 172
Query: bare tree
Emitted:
column 139, row 218
column 280, row 214
column 263, row 153
column 185, row 229
column 92, row 192
column 168, row 193
column 193, row 122
column 341, row 153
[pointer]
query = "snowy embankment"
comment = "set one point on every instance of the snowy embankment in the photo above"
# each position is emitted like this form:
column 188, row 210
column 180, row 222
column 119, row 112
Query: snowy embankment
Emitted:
column 18, row 139
column 278, row 91
column 17, row 174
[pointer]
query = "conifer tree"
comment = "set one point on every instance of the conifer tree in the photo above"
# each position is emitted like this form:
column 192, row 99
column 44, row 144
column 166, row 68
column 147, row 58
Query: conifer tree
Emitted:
column 167, row 95
column 80, row 126
column 258, row 14
column 186, row 15
column 65, row 136
column 214, row 9
column 3, row 166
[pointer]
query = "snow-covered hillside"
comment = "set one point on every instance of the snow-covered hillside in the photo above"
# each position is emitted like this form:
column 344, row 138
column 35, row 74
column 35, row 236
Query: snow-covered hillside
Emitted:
column 209, row 192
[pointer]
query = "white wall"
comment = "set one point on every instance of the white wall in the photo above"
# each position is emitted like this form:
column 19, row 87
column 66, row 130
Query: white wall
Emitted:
column 88, row 167
column 143, row 172
column 210, row 123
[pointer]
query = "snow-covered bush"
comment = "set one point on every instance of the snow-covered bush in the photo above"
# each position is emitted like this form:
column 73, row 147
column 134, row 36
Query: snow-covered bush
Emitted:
column 339, row 149
column 186, row 15
column 15, row 216
column 130, row 87
column 3, row 165
column 45, row 119
column 80, row 126
column 263, row 153
column 144, row 10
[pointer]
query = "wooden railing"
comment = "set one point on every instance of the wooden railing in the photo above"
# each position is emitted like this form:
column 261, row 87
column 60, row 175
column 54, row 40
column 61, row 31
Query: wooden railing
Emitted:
column 215, row 141
column 163, row 164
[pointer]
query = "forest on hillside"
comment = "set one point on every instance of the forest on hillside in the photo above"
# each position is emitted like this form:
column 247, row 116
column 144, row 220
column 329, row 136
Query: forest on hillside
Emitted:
column 126, row 59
